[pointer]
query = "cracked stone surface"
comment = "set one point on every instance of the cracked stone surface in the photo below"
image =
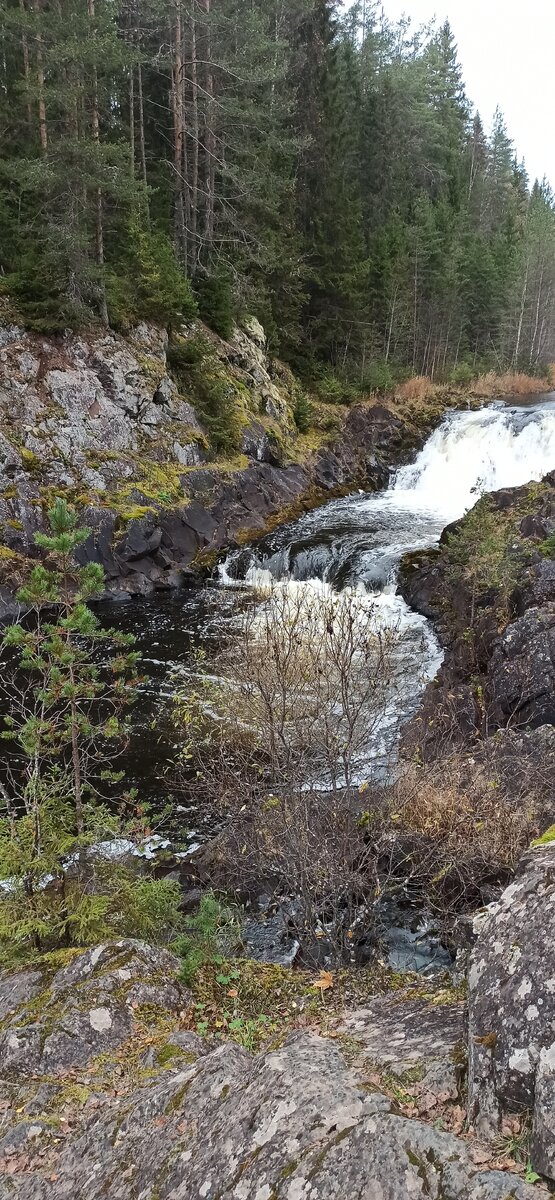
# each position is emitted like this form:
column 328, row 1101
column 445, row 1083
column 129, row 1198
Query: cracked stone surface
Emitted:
column 293, row 1124
column 412, row 1035
column 85, row 1009
column 512, row 1007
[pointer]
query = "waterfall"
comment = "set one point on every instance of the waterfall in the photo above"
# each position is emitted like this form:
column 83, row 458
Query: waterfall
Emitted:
column 355, row 544
column 475, row 452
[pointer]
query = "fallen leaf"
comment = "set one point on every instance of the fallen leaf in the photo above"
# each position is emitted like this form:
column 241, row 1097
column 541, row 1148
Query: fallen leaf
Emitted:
column 323, row 982
column 480, row 1155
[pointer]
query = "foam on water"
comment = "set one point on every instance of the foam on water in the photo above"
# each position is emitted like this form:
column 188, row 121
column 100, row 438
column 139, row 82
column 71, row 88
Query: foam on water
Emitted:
column 475, row 452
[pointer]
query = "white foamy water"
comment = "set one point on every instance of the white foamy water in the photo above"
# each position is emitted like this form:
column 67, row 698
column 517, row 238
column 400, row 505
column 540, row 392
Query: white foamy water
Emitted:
column 476, row 452
column 355, row 544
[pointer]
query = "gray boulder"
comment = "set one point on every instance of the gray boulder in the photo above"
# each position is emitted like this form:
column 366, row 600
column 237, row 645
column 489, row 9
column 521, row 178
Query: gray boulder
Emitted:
column 85, row 1009
column 413, row 1037
column 294, row 1124
column 512, row 1008
column 521, row 685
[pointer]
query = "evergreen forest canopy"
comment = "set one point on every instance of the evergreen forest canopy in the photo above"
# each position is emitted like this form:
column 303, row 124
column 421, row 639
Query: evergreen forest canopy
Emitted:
column 320, row 168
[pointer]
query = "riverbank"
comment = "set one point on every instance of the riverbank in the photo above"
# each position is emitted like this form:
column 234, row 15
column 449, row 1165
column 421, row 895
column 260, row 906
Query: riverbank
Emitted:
column 490, row 590
column 174, row 451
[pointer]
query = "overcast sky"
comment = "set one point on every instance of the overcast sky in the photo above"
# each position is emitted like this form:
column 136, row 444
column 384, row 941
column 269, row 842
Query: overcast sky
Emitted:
column 506, row 48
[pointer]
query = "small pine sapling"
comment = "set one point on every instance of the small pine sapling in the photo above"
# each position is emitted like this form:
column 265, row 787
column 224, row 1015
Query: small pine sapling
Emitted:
column 63, row 804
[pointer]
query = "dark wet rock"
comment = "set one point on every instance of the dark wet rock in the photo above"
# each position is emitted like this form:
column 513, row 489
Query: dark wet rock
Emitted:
column 512, row 1006
column 268, row 938
column 87, row 1008
column 294, row 1124
column 521, row 673
column 420, row 581
column 101, row 416
column 258, row 444
column 499, row 661
column 142, row 538
column 542, row 584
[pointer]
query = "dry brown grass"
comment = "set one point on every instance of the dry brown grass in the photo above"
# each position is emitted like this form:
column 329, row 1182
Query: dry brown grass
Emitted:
column 419, row 387
column 464, row 814
column 465, row 824
column 510, row 383
column 421, row 391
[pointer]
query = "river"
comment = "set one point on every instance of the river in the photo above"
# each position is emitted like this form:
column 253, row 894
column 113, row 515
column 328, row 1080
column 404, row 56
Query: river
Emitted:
column 356, row 542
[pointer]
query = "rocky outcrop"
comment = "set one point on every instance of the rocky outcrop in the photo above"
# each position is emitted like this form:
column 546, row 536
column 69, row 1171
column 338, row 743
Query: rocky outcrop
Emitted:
column 181, row 1120
column 101, row 420
column 86, row 1008
column 512, row 1008
column 499, row 638
column 294, row 1124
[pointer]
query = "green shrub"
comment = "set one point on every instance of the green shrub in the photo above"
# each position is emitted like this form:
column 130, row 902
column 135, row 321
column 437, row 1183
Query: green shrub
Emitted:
column 216, row 403
column 183, row 353
column 215, row 303
column 378, row 377
column 40, row 288
column 547, row 547
column 333, row 390
column 70, row 682
column 211, row 934
column 147, row 283
column 462, row 375
column 302, row 412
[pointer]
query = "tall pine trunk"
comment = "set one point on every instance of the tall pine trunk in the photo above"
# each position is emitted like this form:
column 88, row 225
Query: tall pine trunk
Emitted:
column 209, row 136
column 180, row 233
column 43, row 127
column 103, row 309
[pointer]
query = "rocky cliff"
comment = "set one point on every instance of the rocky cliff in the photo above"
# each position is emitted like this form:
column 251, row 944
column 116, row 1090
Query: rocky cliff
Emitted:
column 127, row 429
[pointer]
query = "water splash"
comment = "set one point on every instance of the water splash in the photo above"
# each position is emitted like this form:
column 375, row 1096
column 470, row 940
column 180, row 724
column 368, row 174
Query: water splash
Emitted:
column 355, row 544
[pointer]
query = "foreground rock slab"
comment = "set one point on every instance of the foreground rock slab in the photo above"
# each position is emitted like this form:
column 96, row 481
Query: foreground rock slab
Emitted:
column 294, row 1124
column 413, row 1038
column 105, row 1095
column 512, row 1008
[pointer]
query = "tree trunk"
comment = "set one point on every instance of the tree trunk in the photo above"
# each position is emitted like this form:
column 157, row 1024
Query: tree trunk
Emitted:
column 43, row 127
column 209, row 136
column 516, row 352
column 194, row 139
column 26, row 68
column 103, row 309
column 180, row 236
column 142, row 144
column 132, row 118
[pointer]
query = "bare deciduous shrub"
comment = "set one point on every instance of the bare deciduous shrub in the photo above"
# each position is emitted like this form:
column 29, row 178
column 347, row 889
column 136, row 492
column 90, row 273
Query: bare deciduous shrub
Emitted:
column 282, row 741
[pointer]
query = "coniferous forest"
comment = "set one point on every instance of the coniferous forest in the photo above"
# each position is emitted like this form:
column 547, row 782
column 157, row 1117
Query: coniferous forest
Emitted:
column 323, row 169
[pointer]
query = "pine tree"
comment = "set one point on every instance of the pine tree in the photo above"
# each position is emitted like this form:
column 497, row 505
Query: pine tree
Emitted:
column 63, row 800
column 320, row 158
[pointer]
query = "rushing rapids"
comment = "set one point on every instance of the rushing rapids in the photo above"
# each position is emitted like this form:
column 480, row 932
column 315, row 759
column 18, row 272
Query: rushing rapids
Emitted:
column 351, row 544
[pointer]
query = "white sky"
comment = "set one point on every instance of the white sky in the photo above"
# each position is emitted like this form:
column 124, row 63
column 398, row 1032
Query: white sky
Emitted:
column 506, row 49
